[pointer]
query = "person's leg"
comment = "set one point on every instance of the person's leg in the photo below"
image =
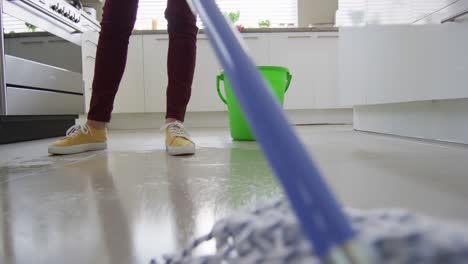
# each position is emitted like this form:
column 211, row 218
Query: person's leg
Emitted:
column 116, row 27
column 181, row 58
column 117, row 24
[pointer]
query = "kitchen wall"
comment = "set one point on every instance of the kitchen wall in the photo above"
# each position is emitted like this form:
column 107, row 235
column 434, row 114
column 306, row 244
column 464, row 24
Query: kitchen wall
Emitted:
column 316, row 11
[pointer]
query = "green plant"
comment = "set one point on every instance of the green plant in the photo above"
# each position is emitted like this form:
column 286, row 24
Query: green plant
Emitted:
column 265, row 23
column 233, row 16
column 31, row 28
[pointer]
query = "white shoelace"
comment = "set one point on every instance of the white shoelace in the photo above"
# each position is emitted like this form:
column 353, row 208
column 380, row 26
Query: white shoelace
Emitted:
column 76, row 129
column 177, row 129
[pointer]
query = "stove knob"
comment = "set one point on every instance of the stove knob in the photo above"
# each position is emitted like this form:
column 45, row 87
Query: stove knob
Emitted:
column 54, row 7
column 66, row 14
column 61, row 10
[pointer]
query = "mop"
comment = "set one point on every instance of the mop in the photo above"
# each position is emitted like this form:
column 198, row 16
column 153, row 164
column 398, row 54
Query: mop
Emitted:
column 312, row 227
column 271, row 234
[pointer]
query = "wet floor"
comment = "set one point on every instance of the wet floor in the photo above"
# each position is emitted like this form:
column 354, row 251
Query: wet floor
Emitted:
column 133, row 202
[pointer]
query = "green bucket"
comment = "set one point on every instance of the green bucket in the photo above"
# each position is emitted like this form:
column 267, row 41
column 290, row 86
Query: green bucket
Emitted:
column 278, row 79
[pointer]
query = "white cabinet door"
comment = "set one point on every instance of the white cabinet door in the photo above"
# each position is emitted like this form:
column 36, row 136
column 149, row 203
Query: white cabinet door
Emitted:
column 204, row 94
column 155, row 71
column 131, row 95
column 88, row 55
column 258, row 47
column 294, row 51
column 405, row 63
column 312, row 58
column 325, row 74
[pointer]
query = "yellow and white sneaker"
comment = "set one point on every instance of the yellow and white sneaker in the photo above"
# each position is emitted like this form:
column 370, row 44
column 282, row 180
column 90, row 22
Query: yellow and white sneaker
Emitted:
column 80, row 138
column 178, row 140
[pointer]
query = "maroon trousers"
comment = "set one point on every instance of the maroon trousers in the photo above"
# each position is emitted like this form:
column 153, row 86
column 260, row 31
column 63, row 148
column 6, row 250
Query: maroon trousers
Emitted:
column 116, row 27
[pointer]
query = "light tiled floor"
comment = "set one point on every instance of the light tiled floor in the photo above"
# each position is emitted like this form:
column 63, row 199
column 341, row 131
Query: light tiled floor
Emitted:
column 133, row 202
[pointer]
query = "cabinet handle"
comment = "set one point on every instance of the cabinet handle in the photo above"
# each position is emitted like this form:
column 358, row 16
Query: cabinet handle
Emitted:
column 250, row 37
column 454, row 17
column 161, row 39
column 202, row 38
column 327, row 37
column 57, row 41
column 91, row 57
column 90, row 42
column 32, row 42
column 299, row 37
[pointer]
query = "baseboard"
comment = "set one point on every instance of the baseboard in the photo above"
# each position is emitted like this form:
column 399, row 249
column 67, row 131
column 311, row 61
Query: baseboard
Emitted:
column 440, row 120
column 25, row 128
column 220, row 119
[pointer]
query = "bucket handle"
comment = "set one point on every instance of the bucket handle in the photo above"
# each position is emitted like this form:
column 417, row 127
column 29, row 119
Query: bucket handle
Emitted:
column 289, row 78
column 220, row 78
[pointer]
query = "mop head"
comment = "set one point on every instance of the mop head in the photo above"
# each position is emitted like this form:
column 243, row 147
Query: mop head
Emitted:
column 271, row 234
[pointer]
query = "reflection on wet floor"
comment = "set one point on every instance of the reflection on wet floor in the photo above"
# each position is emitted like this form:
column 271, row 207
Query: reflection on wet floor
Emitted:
column 133, row 202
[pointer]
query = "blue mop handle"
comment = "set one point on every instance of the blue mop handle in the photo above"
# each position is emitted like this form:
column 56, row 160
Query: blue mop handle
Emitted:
column 323, row 221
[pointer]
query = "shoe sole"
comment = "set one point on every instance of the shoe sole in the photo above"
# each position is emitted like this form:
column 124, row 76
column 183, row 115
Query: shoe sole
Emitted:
column 180, row 151
column 77, row 149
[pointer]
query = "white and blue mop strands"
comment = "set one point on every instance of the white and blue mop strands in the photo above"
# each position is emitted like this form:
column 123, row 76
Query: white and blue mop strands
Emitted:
column 272, row 235
column 322, row 219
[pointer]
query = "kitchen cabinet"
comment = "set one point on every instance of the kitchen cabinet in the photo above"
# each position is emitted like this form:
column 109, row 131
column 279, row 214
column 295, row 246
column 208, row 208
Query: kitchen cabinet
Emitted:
column 404, row 63
column 294, row 51
column 88, row 55
column 204, row 94
column 325, row 75
column 131, row 94
column 312, row 59
column 155, row 72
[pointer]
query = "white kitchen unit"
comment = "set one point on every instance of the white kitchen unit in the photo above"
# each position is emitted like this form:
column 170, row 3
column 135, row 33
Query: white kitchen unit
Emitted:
column 310, row 56
column 312, row 59
column 131, row 95
column 88, row 55
column 155, row 72
column 409, row 80
column 204, row 95
column 395, row 64
column 293, row 50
